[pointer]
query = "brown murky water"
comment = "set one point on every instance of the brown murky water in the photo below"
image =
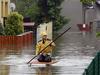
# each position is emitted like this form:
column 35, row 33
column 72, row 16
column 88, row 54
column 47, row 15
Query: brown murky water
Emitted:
column 74, row 52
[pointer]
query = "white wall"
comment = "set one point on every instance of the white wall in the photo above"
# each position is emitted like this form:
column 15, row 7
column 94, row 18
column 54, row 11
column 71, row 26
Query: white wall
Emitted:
column 45, row 27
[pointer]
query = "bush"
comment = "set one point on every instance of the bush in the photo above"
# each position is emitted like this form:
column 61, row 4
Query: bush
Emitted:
column 98, row 34
column 14, row 24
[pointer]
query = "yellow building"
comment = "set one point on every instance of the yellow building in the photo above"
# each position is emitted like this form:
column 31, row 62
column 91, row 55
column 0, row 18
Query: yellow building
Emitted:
column 4, row 9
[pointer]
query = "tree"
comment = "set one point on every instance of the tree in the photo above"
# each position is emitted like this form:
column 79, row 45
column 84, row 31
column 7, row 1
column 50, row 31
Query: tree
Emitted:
column 51, row 11
column 41, row 11
column 87, row 1
column 28, row 8
column 14, row 24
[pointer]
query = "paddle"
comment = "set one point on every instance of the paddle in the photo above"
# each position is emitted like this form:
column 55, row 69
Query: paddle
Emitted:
column 48, row 45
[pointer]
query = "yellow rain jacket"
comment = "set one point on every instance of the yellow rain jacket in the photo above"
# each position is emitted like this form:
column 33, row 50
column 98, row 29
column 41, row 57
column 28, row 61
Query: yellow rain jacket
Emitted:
column 40, row 46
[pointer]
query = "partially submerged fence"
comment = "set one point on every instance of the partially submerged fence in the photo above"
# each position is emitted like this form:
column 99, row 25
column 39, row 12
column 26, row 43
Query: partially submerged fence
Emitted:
column 94, row 67
column 18, row 41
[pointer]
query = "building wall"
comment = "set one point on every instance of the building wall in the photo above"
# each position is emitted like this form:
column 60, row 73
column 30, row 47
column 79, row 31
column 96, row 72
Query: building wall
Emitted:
column 0, row 9
column 97, row 19
column 4, row 9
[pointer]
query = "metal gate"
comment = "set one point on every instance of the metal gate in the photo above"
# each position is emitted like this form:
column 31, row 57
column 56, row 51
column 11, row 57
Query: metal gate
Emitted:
column 94, row 67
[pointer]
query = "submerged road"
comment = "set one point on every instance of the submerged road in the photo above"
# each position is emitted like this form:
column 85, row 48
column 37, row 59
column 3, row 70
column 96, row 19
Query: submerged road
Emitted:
column 74, row 52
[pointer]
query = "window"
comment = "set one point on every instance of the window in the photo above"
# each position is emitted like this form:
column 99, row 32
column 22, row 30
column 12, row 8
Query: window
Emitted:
column 6, row 8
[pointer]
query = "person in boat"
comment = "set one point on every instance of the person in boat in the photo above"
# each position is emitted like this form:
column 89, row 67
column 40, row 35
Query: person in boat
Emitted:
column 45, row 55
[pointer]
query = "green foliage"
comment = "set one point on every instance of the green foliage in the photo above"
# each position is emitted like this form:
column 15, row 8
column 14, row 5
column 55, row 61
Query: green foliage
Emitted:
column 28, row 8
column 98, row 34
column 14, row 24
column 87, row 1
column 1, row 29
column 59, row 22
column 41, row 11
column 50, row 11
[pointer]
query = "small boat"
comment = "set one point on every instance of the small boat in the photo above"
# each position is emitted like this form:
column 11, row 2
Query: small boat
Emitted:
column 46, row 63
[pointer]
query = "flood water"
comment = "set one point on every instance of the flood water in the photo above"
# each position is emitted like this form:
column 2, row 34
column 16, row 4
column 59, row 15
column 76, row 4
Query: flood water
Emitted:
column 74, row 51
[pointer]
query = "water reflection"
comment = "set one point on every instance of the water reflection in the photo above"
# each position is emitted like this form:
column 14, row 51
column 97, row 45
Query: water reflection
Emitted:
column 5, row 52
column 76, row 44
column 4, row 69
column 43, row 71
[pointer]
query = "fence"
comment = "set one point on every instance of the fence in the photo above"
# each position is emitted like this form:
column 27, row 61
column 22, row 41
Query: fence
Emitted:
column 18, row 41
column 94, row 67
